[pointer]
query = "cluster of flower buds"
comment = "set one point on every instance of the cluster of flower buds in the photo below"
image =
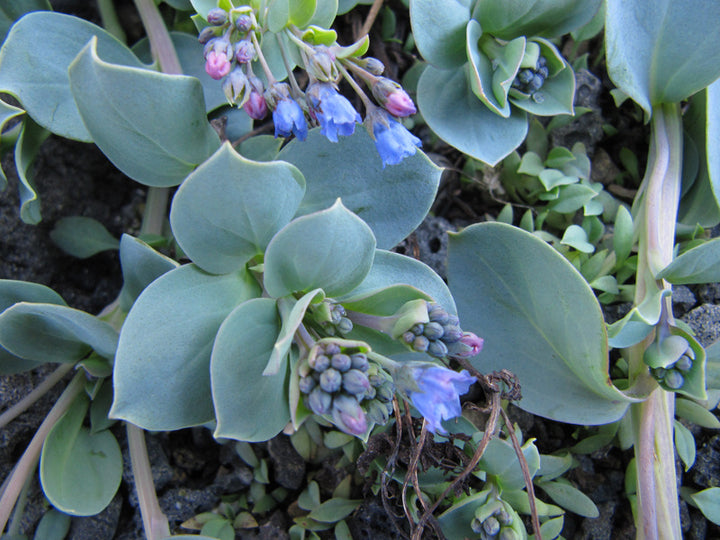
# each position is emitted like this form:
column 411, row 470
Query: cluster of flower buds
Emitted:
column 673, row 376
column 338, row 378
column 530, row 81
column 232, row 45
column 442, row 336
column 496, row 526
column 330, row 318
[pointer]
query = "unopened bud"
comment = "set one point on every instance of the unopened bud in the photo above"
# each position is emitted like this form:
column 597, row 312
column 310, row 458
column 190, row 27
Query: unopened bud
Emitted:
column 306, row 384
column 377, row 412
column 348, row 415
column 452, row 334
column 244, row 51
column 318, row 401
column 374, row 66
column 392, row 96
column 330, row 380
column 491, row 526
column 341, row 362
column 320, row 363
column 206, row 34
column 433, row 330
column 355, row 382
column 673, row 379
column 217, row 16
column 420, row 344
column 345, row 326
column 360, row 361
column 684, row 364
column 437, row 349
column 243, row 23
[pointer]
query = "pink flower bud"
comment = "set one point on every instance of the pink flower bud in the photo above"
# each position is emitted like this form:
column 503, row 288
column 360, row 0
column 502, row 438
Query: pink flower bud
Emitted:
column 255, row 106
column 399, row 104
column 217, row 64
column 472, row 341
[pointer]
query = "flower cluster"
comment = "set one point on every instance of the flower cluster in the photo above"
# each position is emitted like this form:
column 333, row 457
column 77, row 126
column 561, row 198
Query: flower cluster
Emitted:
column 673, row 376
column 442, row 336
column 231, row 47
column 337, row 379
column 495, row 526
column 530, row 81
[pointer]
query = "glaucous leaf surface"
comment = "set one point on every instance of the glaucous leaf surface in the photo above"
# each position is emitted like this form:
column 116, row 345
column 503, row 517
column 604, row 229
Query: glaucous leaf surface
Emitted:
column 708, row 501
column 713, row 137
column 11, row 11
column 551, row 18
column 393, row 201
column 439, row 32
column 539, row 319
column 54, row 333
column 11, row 292
column 41, row 85
column 458, row 117
column 54, row 525
column 700, row 264
column 389, row 269
column 152, row 126
column 141, row 265
column 500, row 460
column 332, row 249
column 228, row 209
column 325, row 12
column 162, row 366
column 664, row 51
column 80, row 471
column 190, row 54
column 82, row 237
column 570, row 498
column 28, row 144
column 249, row 406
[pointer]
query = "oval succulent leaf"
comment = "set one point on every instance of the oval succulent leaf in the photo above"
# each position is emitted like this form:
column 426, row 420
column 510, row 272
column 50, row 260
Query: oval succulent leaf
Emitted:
column 241, row 392
column 42, row 86
column 141, row 265
column 393, row 201
column 523, row 312
column 54, row 333
column 332, row 249
column 162, row 366
column 229, row 208
column 80, row 471
column 152, row 126
column 458, row 117
column 440, row 33
column 664, row 51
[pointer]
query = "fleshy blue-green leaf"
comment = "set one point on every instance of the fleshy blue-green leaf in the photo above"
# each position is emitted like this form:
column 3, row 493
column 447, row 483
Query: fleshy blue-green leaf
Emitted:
column 302, row 11
column 152, row 126
column 11, row 10
column 325, row 13
column 7, row 112
column 54, row 525
column 249, row 406
column 80, row 471
column 12, row 292
column 713, row 137
column 334, row 509
column 684, row 444
column 393, row 201
column 708, row 501
column 228, row 209
column 552, row 18
column 36, row 71
column 331, row 249
column 141, row 265
column 28, row 144
column 500, row 460
column 463, row 121
column 439, row 32
column 190, row 54
column 663, row 51
column 291, row 320
column 162, row 366
column 54, row 333
column 540, row 320
column 82, row 237
column 390, row 269
column 570, row 498
column 700, row 264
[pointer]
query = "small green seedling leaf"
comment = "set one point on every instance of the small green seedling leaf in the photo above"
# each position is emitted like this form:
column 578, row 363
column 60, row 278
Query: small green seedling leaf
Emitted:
column 82, row 237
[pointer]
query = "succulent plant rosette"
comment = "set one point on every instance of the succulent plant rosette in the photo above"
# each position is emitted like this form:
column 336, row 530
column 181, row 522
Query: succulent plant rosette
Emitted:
column 491, row 64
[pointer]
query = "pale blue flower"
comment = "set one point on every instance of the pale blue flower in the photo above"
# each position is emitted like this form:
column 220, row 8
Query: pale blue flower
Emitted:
column 438, row 394
column 334, row 112
column 393, row 142
column 289, row 118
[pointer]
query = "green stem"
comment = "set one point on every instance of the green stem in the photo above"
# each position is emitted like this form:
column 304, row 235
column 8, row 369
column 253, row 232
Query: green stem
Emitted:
column 161, row 45
column 29, row 459
column 288, row 68
column 110, row 21
column 657, row 494
column 155, row 523
column 261, row 58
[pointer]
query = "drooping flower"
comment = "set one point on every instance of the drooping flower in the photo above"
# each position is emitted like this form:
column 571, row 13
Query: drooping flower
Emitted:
column 348, row 415
column 288, row 116
column 438, row 392
column 334, row 112
column 393, row 142
column 235, row 87
column 469, row 345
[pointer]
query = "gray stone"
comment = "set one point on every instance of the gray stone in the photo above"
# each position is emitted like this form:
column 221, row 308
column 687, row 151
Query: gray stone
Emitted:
column 288, row 465
column 705, row 322
column 102, row 525
column 586, row 129
column 429, row 244
column 180, row 504
column 683, row 300
column 709, row 293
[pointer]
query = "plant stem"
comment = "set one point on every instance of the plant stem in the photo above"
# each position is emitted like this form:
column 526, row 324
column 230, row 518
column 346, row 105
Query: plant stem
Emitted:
column 657, row 493
column 29, row 459
column 155, row 523
column 371, row 16
column 39, row 391
column 110, row 21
